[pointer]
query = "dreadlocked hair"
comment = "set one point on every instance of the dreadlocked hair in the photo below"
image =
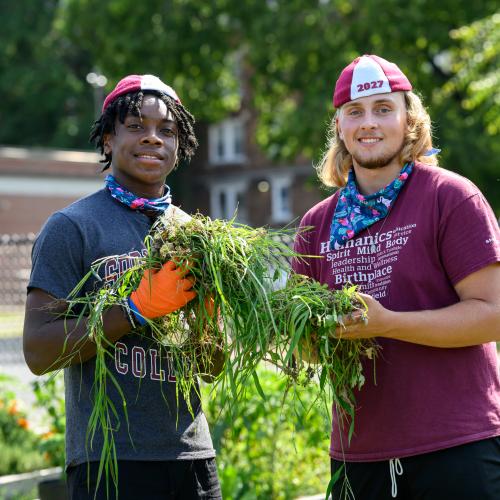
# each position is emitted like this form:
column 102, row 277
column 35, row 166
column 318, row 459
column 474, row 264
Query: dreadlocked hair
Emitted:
column 131, row 104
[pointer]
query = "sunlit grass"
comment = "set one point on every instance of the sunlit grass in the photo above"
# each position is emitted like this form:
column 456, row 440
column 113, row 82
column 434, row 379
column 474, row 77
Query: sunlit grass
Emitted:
column 11, row 323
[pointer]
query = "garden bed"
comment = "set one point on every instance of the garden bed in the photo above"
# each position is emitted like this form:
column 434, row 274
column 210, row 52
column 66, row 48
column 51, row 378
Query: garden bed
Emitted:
column 14, row 486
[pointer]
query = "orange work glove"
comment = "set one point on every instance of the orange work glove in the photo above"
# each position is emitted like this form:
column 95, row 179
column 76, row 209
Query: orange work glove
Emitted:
column 210, row 305
column 161, row 292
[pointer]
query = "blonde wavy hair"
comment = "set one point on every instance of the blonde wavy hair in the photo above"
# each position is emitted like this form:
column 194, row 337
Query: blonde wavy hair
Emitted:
column 336, row 162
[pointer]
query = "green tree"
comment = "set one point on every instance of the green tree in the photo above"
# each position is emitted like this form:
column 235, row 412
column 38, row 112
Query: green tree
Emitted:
column 281, row 57
column 471, row 124
column 45, row 99
column 476, row 66
column 285, row 56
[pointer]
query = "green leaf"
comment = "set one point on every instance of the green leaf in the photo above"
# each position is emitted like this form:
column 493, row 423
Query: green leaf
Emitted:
column 258, row 386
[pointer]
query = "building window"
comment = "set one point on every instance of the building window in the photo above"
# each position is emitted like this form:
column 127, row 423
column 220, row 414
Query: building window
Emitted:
column 228, row 199
column 223, row 204
column 238, row 139
column 220, row 143
column 226, row 142
column 281, row 199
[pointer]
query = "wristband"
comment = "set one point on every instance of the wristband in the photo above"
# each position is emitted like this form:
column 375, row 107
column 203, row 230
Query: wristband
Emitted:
column 132, row 321
column 132, row 308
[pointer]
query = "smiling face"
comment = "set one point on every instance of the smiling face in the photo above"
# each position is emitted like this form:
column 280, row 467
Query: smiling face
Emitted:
column 144, row 149
column 373, row 129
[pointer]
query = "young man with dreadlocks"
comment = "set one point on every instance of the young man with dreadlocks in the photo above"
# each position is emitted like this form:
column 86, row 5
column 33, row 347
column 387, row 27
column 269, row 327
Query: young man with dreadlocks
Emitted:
column 143, row 132
column 423, row 246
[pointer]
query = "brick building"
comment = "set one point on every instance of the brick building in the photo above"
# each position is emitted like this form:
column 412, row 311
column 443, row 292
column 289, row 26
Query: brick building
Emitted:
column 228, row 173
column 34, row 183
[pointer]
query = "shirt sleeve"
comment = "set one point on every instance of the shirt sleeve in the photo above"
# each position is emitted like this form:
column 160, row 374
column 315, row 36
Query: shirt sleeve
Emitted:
column 303, row 246
column 57, row 257
column 469, row 238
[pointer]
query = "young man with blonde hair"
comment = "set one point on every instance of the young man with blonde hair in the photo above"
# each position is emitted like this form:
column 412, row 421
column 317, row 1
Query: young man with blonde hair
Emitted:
column 423, row 246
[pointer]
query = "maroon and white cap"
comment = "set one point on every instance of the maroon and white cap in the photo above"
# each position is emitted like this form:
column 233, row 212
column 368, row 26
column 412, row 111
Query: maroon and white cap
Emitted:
column 368, row 75
column 133, row 83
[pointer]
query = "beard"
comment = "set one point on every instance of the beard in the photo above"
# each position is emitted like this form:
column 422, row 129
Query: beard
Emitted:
column 377, row 162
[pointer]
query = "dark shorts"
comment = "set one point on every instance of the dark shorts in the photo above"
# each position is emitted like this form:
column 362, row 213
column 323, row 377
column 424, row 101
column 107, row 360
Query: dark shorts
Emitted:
column 137, row 480
column 467, row 472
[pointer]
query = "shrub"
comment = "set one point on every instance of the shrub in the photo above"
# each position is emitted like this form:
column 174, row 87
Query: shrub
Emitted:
column 18, row 443
column 49, row 393
column 264, row 450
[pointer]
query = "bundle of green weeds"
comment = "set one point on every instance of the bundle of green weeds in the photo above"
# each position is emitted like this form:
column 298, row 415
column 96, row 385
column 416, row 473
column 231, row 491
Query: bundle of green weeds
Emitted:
column 307, row 349
column 240, row 314
column 236, row 268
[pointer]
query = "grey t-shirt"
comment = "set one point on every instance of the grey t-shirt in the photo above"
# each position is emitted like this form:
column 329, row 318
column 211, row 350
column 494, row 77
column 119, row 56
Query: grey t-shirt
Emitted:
column 71, row 240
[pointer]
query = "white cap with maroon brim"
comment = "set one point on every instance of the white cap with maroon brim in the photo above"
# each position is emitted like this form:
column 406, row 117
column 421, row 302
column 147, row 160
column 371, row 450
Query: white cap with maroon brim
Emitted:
column 368, row 75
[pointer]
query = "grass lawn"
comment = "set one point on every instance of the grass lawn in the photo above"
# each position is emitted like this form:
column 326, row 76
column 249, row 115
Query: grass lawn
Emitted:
column 11, row 323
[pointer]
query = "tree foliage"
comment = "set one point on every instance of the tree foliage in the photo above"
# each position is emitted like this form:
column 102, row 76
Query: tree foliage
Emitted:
column 476, row 68
column 281, row 57
column 45, row 99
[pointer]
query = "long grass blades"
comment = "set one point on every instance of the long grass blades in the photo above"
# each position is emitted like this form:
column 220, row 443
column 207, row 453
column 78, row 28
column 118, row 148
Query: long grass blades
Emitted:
column 310, row 353
column 250, row 310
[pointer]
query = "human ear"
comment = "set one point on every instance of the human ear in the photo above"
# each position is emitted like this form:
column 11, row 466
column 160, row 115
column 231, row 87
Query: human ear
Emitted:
column 339, row 131
column 106, row 143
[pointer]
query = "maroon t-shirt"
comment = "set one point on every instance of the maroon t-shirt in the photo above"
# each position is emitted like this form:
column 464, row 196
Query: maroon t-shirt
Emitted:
column 422, row 399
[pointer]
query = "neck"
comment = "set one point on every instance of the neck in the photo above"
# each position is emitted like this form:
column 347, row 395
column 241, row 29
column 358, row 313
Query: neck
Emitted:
column 370, row 181
column 149, row 191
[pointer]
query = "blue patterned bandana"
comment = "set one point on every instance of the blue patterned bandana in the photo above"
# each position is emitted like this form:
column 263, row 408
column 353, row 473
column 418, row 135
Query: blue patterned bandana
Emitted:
column 355, row 212
column 134, row 202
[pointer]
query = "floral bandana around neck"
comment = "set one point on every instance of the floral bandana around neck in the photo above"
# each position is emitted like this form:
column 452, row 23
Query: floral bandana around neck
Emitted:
column 355, row 212
column 134, row 202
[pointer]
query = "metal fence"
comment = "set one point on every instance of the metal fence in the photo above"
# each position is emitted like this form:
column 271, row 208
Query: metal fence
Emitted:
column 15, row 266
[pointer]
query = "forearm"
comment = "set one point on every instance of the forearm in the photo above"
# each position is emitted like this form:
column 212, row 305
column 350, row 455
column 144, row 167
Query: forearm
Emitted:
column 57, row 343
column 466, row 323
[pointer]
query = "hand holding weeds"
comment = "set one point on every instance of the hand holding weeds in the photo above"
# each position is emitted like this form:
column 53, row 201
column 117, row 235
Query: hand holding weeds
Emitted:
column 161, row 292
column 363, row 324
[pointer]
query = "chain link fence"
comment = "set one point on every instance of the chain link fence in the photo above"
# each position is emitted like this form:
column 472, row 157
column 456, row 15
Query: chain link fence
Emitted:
column 15, row 265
